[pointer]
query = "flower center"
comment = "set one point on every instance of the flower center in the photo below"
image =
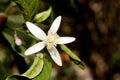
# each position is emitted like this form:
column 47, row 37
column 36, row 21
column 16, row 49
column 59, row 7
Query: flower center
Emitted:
column 51, row 39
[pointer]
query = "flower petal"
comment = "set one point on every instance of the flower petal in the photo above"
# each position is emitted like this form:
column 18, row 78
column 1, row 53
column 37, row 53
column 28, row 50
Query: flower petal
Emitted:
column 65, row 40
column 55, row 55
column 55, row 25
column 35, row 48
column 36, row 31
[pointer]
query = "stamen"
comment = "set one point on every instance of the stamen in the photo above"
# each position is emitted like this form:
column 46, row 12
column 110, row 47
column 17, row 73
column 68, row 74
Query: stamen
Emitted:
column 51, row 39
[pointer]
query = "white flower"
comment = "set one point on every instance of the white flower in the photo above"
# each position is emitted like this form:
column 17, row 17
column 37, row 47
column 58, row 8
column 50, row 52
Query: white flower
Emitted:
column 50, row 41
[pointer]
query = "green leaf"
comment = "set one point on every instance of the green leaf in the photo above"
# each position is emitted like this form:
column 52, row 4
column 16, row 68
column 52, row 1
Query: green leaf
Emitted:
column 15, row 21
column 10, row 78
column 26, row 39
column 47, row 69
column 32, row 72
column 40, row 70
column 16, row 77
column 73, row 57
column 36, row 67
column 42, row 16
column 29, row 8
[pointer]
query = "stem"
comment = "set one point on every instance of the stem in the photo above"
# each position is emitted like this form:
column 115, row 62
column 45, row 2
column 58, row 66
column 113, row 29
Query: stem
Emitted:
column 69, row 52
column 73, row 57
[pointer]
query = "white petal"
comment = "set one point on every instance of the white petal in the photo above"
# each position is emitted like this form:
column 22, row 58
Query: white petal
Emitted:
column 55, row 55
column 65, row 40
column 35, row 48
column 36, row 31
column 55, row 25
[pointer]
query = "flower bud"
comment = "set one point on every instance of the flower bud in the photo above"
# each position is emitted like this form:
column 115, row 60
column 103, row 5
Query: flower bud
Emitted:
column 3, row 19
column 18, row 41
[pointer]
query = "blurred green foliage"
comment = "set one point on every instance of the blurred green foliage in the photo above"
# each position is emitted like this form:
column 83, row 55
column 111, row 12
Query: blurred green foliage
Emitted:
column 95, row 24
